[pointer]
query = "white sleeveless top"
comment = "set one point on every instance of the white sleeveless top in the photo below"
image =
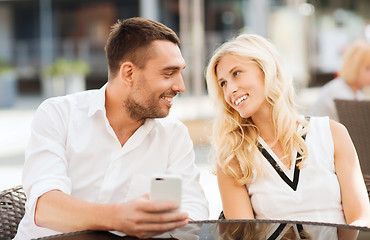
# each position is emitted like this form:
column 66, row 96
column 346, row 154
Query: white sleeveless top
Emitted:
column 313, row 194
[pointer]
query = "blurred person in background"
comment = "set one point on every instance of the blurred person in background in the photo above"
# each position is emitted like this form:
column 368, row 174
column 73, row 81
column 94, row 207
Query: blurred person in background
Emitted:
column 91, row 155
column 271, row 162
column 353, row 76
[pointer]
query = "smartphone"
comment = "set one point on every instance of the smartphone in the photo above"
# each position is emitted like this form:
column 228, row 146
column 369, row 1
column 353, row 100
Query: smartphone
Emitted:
column 166, row 187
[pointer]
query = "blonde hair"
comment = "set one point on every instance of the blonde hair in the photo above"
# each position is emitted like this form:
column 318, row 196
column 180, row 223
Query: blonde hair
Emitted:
column 234, row 138
column 352, row 59
column 243, row 231
column 254, row 231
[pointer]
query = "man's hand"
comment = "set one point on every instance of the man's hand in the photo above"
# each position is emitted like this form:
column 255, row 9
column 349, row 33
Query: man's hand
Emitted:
column 144, row 218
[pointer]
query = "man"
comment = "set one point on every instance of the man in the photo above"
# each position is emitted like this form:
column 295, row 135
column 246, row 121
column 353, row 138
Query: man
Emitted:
column 91, row 154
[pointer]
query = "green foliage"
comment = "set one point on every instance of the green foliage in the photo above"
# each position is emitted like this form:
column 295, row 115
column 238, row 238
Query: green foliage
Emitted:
column 4, row 66
column 62, row 67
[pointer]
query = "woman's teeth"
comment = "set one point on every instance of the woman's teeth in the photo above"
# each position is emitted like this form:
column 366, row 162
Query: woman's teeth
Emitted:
column 241, row 99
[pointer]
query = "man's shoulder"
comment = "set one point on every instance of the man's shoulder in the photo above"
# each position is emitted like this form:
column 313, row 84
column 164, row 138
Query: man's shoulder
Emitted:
column 79, row 99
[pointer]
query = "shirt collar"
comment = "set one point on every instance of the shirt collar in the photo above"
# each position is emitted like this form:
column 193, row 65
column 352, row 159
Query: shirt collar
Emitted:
column 97, row 104
column 98, row 101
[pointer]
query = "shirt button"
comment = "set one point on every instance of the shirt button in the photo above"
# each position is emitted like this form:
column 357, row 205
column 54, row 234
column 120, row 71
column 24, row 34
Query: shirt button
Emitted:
column 113, row 167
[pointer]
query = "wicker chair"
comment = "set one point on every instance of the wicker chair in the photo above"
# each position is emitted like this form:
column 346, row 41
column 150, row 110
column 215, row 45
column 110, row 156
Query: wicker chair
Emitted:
column 367, row 182
column 355, row 115
column 12, row 202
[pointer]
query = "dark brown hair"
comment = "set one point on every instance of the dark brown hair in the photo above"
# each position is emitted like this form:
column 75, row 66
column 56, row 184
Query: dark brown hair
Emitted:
column 131, row 39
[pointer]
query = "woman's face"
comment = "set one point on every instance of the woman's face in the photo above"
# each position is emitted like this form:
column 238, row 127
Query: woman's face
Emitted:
column 243, row 85
column 363, row 78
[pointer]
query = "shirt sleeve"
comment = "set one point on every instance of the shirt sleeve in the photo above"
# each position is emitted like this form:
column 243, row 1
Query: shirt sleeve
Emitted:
column 45, row 167
column 181, row 162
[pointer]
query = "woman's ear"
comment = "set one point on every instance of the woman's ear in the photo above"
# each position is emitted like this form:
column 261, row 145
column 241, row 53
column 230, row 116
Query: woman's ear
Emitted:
column 126, row 72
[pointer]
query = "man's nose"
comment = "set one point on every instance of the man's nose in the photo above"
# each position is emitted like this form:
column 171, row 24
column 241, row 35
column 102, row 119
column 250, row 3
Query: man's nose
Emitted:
column 179, row 84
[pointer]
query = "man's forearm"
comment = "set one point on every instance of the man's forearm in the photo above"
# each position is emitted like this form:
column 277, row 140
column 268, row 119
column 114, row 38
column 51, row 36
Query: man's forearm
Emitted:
column 61, row 212
column 139, row 217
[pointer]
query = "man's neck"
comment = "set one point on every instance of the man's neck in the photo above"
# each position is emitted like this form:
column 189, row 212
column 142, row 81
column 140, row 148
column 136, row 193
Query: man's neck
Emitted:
column 123, row 126
column 119, row 119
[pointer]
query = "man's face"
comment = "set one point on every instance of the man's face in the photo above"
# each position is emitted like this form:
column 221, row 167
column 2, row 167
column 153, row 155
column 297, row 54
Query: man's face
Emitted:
column 155, row 86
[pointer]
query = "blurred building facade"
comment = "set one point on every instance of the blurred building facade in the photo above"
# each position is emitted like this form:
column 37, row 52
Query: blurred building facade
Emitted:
column 310, row 34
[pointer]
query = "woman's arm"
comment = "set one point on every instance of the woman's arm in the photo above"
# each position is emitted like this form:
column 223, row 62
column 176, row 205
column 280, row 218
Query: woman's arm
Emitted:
column 355, row 200
column 235, row 198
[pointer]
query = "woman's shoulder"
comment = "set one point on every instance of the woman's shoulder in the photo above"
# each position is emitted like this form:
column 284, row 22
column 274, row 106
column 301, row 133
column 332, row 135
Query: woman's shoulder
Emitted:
column 335, row 88
column 324, row 128
column 337, row 129
column 319, row 126
column 318, row 120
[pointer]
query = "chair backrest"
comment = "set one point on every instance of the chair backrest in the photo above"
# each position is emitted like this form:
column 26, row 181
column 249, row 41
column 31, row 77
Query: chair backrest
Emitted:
column 367, row 183
column 12, row 206
column 355, row 115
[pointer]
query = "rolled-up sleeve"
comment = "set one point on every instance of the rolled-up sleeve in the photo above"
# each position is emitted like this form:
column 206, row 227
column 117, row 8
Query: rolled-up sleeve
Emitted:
column 45, row 167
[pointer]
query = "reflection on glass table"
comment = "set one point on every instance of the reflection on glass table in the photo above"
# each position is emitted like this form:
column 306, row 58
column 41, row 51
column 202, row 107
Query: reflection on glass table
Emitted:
column 239, row 230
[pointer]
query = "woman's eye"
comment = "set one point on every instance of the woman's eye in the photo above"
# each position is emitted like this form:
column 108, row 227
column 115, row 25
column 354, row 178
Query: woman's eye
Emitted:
column 222, row 83
column 236, row 73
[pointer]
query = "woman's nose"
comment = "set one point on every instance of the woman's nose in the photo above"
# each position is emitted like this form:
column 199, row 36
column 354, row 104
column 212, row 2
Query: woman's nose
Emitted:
column 232, row 88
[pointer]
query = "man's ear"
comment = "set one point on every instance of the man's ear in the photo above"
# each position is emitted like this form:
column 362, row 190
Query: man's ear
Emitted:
column 125, row 72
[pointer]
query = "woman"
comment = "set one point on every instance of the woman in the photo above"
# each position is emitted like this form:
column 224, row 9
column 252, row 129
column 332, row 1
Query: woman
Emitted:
column 353, row 76
column 273, row 163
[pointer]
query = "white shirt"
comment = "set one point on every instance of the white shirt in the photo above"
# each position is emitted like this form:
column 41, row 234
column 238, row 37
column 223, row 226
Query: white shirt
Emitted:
column 335, row 89
column 74, row 149
column 317, row 196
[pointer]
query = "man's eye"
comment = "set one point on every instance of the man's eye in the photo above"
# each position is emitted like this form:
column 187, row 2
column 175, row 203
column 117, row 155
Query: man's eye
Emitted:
column 169, row 74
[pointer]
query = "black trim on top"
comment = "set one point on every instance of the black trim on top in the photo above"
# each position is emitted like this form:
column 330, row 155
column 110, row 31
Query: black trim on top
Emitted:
column 301, row 231
column 277, row 231
column 280, row 229
column 293, row 184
